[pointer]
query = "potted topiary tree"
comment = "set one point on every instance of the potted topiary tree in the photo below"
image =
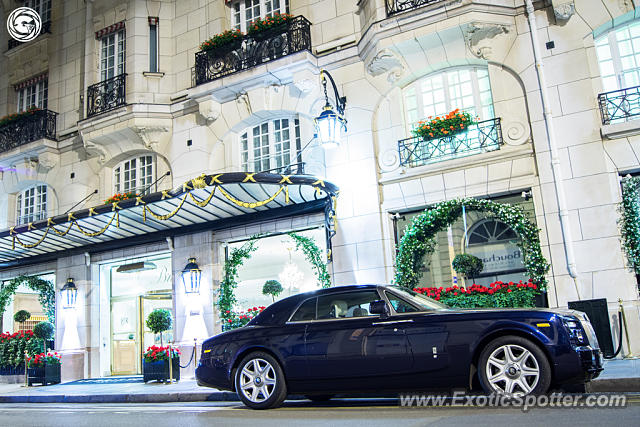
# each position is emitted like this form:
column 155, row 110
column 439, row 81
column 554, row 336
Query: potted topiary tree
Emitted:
column 21, row 317
column 159, row 321
column 468, row 265
column 273, row 288
column 155, row 364
column 43, row 332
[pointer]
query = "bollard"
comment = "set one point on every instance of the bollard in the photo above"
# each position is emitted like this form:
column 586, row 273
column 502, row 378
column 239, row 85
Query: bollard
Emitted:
column 170, row 364
column 26, row 370
column 629, row 354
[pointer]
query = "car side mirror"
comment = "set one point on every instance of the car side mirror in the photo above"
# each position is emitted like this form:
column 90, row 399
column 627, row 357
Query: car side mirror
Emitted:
column 379, row 307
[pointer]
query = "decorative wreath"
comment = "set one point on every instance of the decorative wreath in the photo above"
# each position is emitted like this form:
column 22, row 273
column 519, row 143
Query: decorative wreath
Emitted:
column 419, row 238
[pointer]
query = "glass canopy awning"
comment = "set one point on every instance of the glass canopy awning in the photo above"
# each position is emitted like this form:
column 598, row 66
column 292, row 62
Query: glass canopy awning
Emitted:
column 207, row 202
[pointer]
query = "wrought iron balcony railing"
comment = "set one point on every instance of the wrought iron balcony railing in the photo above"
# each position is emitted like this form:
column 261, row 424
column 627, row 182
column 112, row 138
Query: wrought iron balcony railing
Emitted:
column 106, row 95
column 478, row 138
column 46, row 28
column 23, row 130
column 394, row 7
column 619, row 105
column 292, row 169
column 251, row 51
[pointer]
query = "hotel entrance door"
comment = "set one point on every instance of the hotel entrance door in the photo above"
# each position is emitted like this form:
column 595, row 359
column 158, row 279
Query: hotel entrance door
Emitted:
column 130, row 335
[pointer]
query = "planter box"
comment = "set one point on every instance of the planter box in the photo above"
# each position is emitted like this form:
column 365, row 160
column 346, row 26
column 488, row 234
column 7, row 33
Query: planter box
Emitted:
column 225, row 49
column 269, row 33
column 159, row 371
column 47, row 374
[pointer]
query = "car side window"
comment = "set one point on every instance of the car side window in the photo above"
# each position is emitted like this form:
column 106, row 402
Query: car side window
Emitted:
column 346, row 305
column 307, row 311
column 400, row 305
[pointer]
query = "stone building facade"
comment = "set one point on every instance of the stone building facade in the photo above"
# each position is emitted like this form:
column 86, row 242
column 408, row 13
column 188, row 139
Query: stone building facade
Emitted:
column 129, row 90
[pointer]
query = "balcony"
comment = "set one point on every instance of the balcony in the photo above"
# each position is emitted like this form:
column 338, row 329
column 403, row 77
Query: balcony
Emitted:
column 478, row 138
column 394, row 7
column 106, row 95
column 252, row 51
column 619, row 105
column 46, row 29
column 27, row 128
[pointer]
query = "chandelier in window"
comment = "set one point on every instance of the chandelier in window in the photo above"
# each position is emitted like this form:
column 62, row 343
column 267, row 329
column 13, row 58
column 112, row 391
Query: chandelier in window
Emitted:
column 291, row 277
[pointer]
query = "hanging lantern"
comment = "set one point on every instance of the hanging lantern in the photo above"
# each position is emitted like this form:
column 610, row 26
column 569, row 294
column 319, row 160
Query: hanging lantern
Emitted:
column 191, row 277
column 69, row 294
column 330, row 122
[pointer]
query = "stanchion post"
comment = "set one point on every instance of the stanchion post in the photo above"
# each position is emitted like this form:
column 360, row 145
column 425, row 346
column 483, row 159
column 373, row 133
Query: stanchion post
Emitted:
column 170, row 363
column 629, row 354
column 26, row 370
column 195, row 354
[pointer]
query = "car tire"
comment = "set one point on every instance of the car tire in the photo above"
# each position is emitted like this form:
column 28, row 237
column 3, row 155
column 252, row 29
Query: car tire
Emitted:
column 512, row 365
column 319, row 397
column 260, row 381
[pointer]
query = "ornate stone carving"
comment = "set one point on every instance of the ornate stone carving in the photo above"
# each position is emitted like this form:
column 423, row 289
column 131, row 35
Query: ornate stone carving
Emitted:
column 209, row 110
column 477, row 36
column 563, row 11
column 386, row 61
column 305, row 85
column 389, row 160
column 150, row 135
column 515, row 132
column 93, row 149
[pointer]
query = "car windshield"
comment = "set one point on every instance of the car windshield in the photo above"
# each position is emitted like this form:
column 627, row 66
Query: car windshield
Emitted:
column 418, row 299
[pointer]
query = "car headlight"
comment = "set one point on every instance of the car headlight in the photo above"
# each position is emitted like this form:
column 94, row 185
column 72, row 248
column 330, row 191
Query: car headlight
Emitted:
column 574, row 328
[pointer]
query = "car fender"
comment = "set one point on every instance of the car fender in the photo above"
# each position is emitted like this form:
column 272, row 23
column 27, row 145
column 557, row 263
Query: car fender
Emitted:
column 239, row 351
column 505, row 327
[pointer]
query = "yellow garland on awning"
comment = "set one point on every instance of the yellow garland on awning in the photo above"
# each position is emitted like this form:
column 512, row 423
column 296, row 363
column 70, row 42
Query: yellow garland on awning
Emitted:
column 204, row 202
column 197, row 183
column 163, row 217
column 115, row 216
column 251, row 205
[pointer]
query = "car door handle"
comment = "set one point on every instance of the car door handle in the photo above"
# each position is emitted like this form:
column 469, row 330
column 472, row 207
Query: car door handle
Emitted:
column 391, row 322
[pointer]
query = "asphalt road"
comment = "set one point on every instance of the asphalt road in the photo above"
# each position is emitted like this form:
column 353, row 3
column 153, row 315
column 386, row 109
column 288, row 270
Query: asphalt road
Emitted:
column 347, row 412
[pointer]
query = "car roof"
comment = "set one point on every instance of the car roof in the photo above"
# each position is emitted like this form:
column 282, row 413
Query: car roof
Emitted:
column 280, row 311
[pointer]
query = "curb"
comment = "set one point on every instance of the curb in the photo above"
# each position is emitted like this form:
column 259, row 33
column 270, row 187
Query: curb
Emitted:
column 613, row 385
column 220, row 396
column 616, row 385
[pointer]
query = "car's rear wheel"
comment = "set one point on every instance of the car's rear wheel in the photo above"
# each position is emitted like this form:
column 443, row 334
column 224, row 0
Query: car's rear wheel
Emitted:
column 260, row 381
column 514, row 366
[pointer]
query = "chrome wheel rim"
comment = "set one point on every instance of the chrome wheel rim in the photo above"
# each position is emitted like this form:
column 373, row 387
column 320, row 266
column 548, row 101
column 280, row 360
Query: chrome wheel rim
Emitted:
column 257, row 380
column 512, row 370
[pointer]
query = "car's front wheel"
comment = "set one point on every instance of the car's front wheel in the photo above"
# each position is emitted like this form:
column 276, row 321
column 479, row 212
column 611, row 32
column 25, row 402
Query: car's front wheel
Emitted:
column 514, row 366
column 260, row 381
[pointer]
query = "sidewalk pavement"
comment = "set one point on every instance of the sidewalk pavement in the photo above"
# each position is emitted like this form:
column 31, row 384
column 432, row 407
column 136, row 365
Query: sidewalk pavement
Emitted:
column 618, row 376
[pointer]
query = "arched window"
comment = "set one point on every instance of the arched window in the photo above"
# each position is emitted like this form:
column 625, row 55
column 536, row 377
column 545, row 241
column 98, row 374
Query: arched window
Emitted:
column 490, row 231
column 134, row 175
column 270, row 145
column 618, row 54
column 31, row 205
column 437, row 94
column 244, row 12
column 496, row 244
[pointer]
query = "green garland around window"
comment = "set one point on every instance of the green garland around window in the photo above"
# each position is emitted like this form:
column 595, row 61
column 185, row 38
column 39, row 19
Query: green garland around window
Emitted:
column 313, row 254
column 229, row 283
column 46, row 294
column 238, row 256
column 629, row 222
column 419, row 238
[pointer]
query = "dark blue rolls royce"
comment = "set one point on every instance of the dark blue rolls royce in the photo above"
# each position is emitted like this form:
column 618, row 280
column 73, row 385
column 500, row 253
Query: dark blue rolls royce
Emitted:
column 372, row 338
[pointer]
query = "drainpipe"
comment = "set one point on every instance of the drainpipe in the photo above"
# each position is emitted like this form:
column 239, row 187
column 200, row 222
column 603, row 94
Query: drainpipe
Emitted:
column 555, row 159
column 89, row 42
